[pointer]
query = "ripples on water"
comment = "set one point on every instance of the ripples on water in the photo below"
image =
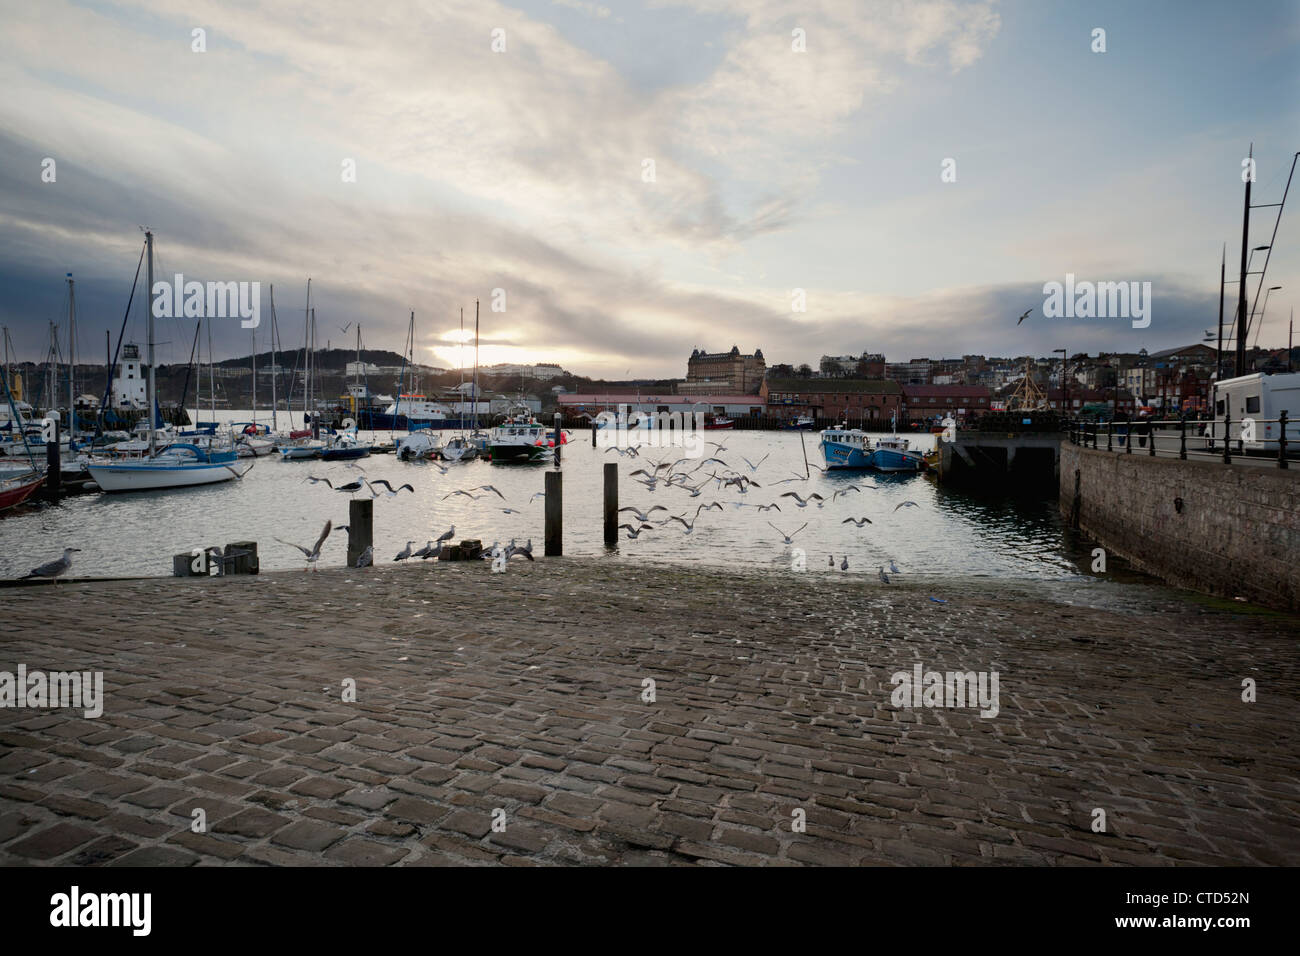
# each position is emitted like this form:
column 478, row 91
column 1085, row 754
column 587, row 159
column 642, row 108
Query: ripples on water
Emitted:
column 950, row 534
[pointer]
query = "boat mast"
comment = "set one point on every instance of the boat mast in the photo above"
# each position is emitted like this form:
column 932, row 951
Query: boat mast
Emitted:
column 254, row 333
column 153, row 385
column 274, row 370
column 212, row 379
column 315, row 426
column 72, row 352
column 476, row 365
column 460, row 360
column 306, row 355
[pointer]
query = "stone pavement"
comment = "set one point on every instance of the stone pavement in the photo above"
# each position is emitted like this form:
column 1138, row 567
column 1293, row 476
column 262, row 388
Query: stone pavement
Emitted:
column 519, row 696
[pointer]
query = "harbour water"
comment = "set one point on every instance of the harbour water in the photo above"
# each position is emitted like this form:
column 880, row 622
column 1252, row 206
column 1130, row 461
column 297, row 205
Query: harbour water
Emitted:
column 947, row 534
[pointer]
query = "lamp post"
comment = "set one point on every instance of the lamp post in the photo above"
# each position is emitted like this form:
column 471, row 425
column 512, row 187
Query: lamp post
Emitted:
column 1269, row 291
column 1065, row 392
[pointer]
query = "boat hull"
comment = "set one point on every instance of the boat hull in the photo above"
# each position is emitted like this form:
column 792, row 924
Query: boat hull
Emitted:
column 146, row 476
column 838, row 455
column 345, row 454
column 887, row 460
column 16, row 494
column 518, row 454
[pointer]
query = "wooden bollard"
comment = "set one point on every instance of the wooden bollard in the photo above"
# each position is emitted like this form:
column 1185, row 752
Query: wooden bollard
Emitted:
column 361, row 528
column 611, row 503
column 557, row 437
column 240, row 557
column 554, row 532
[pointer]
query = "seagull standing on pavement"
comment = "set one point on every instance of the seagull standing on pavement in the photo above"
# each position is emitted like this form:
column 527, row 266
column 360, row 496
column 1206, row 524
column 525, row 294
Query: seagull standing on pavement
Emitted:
column 405, row 552
column 366, row 557
column 59, row 566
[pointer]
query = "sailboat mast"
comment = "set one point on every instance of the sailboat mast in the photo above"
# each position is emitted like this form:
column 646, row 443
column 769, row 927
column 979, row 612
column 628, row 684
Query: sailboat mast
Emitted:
column 212, row 379
column 306, row 354
column 148, row 307
column 254, row 334
column 460, row 360
column 72, row 353
column 476, row 365
column 274, row 370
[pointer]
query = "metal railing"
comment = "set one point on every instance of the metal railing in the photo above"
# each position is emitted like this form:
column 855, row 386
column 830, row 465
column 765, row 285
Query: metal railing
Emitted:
column 1184, row 438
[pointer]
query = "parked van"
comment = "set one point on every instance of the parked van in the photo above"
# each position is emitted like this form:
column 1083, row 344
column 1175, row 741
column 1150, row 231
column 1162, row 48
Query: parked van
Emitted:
column 1262, row 399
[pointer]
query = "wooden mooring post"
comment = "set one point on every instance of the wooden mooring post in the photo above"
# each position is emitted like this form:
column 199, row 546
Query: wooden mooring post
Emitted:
column 361, row 528
column 611, row 503
column 53, row 465
column 554, row 532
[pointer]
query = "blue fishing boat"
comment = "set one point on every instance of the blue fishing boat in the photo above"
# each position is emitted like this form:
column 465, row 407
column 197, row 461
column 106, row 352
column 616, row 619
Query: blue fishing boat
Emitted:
column 846, row 448
column 893, row 453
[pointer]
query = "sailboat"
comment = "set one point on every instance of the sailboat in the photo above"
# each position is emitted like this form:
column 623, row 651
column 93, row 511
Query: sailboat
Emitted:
column 175, row 465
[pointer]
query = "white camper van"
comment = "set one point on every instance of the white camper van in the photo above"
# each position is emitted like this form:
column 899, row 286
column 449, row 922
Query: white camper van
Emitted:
column 1250, row 400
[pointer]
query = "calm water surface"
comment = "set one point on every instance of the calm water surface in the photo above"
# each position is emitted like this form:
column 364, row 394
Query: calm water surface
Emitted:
column 948, row 534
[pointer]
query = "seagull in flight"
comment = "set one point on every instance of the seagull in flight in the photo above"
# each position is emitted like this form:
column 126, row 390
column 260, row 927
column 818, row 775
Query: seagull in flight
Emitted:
column 536, row 495
column 470, row 495
column 753, row 466
column 391, row 493
column 907, row 504
column 845, row 491
column 643, row 515
column 857, row 521
column 52, row 569
column 344, row 328
column 622, row 451
column 1024, row 316
column 802, row 501
column 633, row 532
column 312, row 555
column 492, row 489
column 787, row 538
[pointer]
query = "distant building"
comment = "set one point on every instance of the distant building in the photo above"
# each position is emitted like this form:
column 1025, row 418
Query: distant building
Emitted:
column 542, row 370
column 856, row 399
column 724, row 373
column 927, row 401
column 732, row 406
column 866, row 365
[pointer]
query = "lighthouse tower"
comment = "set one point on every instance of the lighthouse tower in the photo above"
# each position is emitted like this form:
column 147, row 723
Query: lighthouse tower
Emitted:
column 130, row 383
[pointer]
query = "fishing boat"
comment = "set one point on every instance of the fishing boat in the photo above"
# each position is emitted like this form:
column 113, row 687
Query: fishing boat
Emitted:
column 845, row 448
column 520, row 438
column 894, row 453
column 17, row 489
column 177, row 465
column 714, row 422
column 803, row 423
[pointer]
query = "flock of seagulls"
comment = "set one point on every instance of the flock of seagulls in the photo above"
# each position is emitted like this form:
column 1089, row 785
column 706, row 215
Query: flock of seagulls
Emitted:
column 653, row 475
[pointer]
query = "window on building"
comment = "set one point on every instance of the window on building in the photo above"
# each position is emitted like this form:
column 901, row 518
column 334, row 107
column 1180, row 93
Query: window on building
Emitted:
column 1252, row 404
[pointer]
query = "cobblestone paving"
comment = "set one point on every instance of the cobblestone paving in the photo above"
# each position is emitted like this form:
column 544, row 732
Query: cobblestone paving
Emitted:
column 523, row 692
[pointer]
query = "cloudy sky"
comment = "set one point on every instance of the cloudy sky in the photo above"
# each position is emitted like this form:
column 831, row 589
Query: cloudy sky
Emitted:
column 525, row 170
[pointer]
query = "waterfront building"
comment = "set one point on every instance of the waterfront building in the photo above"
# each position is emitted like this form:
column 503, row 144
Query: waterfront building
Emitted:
column 724, row 373
column 852, row 398
column 960, row 401
column 730, row 406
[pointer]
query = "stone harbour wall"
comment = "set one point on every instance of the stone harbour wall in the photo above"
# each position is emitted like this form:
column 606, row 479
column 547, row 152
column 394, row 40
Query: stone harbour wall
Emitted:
column 1231, row 531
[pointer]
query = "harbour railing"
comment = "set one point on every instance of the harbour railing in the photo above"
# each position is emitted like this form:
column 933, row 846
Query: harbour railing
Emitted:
column 1253, row 439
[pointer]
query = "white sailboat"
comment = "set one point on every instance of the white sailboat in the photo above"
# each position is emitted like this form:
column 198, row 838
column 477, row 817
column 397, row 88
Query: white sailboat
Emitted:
column 176, row 465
